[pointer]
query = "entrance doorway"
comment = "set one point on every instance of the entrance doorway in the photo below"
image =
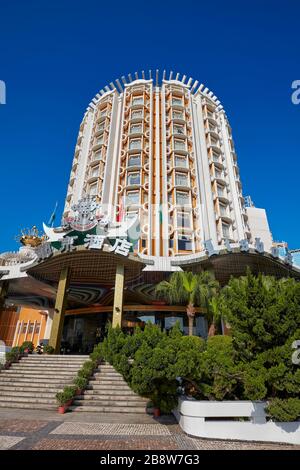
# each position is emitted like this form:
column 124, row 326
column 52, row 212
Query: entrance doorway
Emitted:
column 82, row 332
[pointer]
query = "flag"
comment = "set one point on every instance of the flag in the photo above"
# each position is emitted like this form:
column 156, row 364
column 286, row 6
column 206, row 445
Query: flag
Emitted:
column 52, row 217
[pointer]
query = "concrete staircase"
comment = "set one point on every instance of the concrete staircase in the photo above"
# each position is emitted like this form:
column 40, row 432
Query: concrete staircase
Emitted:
column 34, row 381
column 109, row 393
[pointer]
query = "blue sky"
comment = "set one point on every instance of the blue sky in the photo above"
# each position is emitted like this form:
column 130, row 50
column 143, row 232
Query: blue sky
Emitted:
column 55, row 56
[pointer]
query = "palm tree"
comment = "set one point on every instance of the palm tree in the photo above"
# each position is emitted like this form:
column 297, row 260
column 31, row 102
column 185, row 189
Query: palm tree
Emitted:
column 188, row 289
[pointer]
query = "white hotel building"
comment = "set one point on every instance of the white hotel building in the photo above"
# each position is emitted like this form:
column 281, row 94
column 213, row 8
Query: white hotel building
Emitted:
column 162, row 150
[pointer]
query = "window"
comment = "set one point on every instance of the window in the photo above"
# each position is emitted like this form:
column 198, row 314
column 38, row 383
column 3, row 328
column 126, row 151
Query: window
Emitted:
column 37, row 328
column 176, row 101
column 100, row 140
column 101, row 127
column 144, row 242
column 181, row 179
column 103, row 113
column 225, row 230
column 30, row 327
column 182, row 198
column 135, row 128
column 95, row 171
column 180, row 161
column 137, row 100
column 223, row 210
column 183, row 219
column 137, row 114
column 132, row 197
column 178, row 129
column 97, row 156
column 216, row 157
column 135, row 144
column 184, row 243
column 24, row 328
column 213, row 140
column 134, row 160
column 220, row 190
column 93, row 189
column 133, row 178
column 177, row 114
column 179, row 145
column 218, row 173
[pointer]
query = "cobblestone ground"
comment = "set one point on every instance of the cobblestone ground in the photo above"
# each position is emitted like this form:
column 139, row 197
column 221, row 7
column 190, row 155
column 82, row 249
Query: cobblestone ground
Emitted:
column 78, row 433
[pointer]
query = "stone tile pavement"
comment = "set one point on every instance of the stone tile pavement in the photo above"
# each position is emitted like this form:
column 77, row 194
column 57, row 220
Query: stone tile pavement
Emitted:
column 40, row 430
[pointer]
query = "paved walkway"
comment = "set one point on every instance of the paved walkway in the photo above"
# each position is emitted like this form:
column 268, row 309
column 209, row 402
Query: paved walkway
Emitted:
column 47, row 430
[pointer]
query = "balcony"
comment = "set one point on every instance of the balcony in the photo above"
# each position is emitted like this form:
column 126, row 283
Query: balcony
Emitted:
column 136, row 131
column 216, row 162
column 178, row 131
column 136, row 117
column 213, row 132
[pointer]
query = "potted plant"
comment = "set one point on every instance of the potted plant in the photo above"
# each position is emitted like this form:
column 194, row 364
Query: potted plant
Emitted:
column 80, row 384
column 27, row 347
column 12, row 356
column 47, row 349
column 65, row 398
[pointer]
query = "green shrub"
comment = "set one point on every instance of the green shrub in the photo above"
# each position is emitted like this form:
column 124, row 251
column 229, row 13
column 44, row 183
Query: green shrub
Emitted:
column 97, row 353
column 87, row 369
column 80, row 382
column 47, row 349
column 89, row 365
column 86, row 374
column 66, row 395
column 27, row 345
column 12, row 356
column 284, row 410
column 15, row 350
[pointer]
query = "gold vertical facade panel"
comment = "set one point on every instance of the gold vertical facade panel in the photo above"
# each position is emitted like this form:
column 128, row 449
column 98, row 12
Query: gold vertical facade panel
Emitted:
column 59, row 311
column 118, row 297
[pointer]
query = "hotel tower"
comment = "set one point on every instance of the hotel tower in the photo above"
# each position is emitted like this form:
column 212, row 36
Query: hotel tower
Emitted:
column 161, row 150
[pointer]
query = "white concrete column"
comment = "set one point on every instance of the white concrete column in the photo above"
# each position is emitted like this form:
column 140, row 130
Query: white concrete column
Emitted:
column 207, row 203
column 234, row 197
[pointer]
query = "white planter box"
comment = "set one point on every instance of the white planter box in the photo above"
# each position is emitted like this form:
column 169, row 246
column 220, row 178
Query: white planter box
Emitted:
column 192, row 417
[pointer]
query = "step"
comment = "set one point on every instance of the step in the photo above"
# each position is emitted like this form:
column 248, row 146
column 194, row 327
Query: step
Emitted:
column 103, row 396
column 30, row 394
column 47, row 364
column 41, row 370
column 38, row 370
column 29, row 400
column 109, row 374
column 112, row 401
column 31, row 406
column 113, row 378
column 42, row 377
column 111, row 404
column 37, row 380
column 29, row 365
column 100, row 386
column 123, row 393
column 63, row 357
column 30, row 388
column 105, row 409
column 111, row 383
